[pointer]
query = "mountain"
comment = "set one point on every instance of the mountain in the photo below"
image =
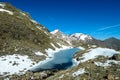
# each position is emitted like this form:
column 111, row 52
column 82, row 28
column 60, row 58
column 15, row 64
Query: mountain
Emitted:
column 75, row 39
column 19, row 31
column 112, row 43
column 23, row 41
column 61, row 36
column 75, row 36
column 80, row 36
column 80, row 39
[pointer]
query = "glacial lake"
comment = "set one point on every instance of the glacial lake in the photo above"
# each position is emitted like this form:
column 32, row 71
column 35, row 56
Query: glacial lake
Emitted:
column 61, row 60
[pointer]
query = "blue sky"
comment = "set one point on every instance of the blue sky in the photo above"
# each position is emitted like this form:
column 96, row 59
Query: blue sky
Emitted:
column 99, row 18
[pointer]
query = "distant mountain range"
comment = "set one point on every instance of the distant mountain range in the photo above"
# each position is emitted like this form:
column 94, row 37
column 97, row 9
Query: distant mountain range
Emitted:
column 78, row 39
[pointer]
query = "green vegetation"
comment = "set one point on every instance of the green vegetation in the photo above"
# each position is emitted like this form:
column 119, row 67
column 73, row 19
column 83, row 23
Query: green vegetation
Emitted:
column 17, row 31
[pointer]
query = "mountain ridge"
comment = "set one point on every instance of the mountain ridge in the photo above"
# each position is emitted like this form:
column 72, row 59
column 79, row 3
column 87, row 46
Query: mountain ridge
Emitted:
column 19, row 31
column 77, row 38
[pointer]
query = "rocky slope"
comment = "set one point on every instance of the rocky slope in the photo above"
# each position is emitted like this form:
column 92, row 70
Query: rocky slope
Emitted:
column 112, row 43
column 22, row 39
column 77, row 39
column 20, row 33
column 97, row 63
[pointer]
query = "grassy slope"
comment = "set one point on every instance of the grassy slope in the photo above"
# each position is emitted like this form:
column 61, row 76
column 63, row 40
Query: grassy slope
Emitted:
column 17, row 31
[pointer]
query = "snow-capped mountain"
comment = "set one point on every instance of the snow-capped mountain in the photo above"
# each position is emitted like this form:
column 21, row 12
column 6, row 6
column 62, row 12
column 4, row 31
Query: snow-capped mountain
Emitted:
column 78, row 39
column 73, row 39
column 80, row 36
column 75, row 36
column 59, row 34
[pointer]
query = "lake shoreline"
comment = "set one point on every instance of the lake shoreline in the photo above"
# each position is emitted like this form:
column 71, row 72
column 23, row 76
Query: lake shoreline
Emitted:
column 61, row 60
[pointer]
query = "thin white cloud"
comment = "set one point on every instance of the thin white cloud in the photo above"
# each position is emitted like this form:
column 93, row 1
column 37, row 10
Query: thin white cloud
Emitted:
column 108, row 27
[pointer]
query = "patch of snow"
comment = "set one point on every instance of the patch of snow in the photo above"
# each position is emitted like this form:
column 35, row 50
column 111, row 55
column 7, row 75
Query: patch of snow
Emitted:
column 53, row 45
column 51, row 52
column 82, row 48
column 77, row 73
column 4, row 10
column 75, row 62
column 6, row 79
column 34, row 21
column 14, row 64
column 32, row 78
column 66, row 47
column 46, row 33
column 39, row 27
column 98, row 51
column 69, row 42
column 107, row 63
column 50, row 37
column 16, row 49
column 61, row 76
column 83, row 37
column 94, row 46
column 59, row 44
column 55, row 31
column 39, row 53
column 23, row 13
column 94, row 53
column 2, row 5
column 102, row 64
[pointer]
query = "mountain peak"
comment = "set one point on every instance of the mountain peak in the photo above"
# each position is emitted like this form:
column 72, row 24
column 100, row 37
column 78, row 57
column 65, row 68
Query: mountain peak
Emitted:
column 59, row 33
column 55, row 31
column 72, row 39
column 80, row 36
column 112, row 38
